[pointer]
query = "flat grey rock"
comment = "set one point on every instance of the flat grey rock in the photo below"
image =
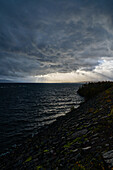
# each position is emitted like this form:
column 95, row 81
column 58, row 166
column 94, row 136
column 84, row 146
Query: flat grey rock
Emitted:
column 108, row 155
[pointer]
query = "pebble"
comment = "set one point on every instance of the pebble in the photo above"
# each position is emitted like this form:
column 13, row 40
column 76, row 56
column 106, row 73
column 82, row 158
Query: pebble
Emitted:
column 86, row 148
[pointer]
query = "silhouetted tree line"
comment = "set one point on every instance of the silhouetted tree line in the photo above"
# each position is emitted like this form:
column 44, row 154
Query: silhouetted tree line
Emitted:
column 91, row 89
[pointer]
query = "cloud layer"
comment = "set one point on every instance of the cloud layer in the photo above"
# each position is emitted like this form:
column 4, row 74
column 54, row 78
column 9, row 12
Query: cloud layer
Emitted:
column 56, row 41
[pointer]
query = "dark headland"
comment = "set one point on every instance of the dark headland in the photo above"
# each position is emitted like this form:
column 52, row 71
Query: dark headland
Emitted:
column 83, row 139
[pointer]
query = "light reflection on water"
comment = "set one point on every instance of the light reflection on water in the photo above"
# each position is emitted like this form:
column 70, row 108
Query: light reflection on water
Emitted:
column 25, row 108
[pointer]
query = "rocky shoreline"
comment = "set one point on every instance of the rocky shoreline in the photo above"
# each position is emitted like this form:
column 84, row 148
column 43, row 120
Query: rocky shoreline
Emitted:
column 83, row 139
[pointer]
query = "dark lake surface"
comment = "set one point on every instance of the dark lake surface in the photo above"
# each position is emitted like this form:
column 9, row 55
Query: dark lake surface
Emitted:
column 26, row 108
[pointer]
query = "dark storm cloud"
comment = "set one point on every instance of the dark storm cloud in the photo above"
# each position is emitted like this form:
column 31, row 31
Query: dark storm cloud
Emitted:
column 41, row 37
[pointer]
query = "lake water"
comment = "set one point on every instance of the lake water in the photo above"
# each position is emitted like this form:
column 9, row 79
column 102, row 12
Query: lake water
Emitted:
column 26, row 108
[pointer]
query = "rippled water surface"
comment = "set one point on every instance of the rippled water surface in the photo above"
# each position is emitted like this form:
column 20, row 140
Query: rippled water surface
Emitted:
column 25, row 108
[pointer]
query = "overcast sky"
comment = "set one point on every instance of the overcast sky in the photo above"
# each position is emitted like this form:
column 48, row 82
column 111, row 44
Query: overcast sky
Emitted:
column 56, row 40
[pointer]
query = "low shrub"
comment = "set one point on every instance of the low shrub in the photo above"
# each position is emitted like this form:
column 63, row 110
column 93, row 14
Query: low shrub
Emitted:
column 91, row 89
